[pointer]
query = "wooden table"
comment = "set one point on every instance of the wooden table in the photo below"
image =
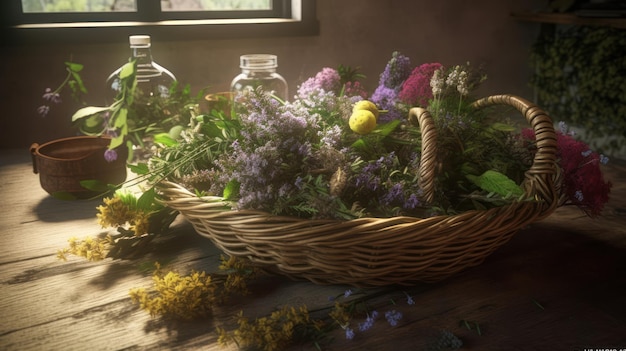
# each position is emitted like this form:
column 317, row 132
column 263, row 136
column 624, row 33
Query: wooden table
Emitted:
column 557, row 285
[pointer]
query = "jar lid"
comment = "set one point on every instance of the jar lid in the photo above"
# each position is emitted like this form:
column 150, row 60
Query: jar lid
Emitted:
column 258, row 61
column 139, row 39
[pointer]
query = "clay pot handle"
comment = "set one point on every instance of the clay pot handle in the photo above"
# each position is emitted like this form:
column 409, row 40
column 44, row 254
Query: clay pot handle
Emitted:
column 33, row 149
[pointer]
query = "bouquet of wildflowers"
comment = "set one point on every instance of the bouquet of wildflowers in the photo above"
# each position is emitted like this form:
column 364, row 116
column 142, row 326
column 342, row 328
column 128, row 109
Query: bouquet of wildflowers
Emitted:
column 331, row 153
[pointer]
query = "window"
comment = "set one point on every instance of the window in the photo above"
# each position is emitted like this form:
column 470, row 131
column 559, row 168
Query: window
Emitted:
column 38, row 11
column 173, row 18
column 48, row 6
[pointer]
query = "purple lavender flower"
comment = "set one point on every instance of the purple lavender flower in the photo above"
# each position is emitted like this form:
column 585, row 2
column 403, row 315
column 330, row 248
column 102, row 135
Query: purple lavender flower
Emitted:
column 52, row 96
column 347, row 293
column 385, row 98
column 409, row 299
column 349, row 333
column 393, row 317
column 299, row 183
column 604, row 159
column 579, row 195
column 396, row 71
column 43, row 110
column 393, row 195
column 110, row 155
column 369, row 321
column 412, row 202
column 331, row 136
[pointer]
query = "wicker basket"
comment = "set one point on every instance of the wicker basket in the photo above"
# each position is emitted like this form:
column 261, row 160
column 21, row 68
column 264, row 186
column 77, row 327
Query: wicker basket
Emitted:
column 382, row 251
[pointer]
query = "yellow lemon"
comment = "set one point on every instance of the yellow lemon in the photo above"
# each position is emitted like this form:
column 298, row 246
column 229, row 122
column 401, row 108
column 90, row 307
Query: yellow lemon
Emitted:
column 368, row 106
column 362, row 121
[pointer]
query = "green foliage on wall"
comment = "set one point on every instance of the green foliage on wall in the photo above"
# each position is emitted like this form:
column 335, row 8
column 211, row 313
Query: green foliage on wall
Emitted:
column 580, row 78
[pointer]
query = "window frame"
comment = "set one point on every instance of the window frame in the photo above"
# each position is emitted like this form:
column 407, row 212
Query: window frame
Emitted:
column 147, row 11
column 297, row 17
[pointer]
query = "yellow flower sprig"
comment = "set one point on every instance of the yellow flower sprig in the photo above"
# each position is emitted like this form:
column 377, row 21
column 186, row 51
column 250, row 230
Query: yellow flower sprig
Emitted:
column 269, row 333
column 93, row 249
column 183, row 297
column 194, row 295
column 121, row 210
column 137, row 224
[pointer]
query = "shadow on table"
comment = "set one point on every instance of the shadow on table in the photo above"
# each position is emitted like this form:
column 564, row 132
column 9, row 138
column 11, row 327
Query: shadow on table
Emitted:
column 50, row 209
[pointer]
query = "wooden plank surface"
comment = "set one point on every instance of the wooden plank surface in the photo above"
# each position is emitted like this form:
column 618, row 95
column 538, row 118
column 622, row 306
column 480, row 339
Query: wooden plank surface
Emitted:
column 557, row 285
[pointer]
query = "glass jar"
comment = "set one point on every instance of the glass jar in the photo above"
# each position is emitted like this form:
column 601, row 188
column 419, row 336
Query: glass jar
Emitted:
column 259, row 70
column 153, row 80
column 153, row 83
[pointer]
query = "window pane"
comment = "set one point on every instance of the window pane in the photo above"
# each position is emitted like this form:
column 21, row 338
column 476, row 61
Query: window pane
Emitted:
column 50, row 6
column 215, row 5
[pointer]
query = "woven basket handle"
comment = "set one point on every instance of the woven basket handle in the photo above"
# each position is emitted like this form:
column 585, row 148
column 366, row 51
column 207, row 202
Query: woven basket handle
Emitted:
column 542, row 179
column 428, row 161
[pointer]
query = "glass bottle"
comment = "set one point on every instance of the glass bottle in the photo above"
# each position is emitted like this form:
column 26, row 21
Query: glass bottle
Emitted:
column 152, row 78
column 260, row 70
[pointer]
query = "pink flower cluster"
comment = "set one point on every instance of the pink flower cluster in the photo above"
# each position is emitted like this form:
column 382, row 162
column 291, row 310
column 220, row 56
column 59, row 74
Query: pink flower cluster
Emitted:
column 329, row 80
column 416, row 89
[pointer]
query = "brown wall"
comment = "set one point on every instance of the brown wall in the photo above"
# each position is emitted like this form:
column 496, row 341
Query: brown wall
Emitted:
column 352, row 32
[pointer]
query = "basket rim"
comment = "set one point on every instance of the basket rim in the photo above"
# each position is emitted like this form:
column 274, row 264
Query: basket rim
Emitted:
column 376, row 251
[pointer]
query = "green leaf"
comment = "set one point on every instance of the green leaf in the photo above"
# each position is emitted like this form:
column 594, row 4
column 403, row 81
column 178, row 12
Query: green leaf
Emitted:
column 63, row 195
column 88, row 111
column 74, row 67
column 127, row 70
column 212, row 130
column 503, row 127
column 131, row 152
column 496, row 182
column 140, row 168
column 79, row 82
column 231, row 190
column 93, row 123
column 115, row 142
column 165, row 139
column 94, row 185
column 121, row 118
column 146, row 200
column 359, row 144
column 387, row 128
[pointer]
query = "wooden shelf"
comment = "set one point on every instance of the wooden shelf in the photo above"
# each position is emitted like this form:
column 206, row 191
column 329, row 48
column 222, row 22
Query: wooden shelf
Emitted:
column 570, row 18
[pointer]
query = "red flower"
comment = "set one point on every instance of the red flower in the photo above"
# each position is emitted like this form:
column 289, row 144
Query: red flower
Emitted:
column 416, row 88
column 583, row 184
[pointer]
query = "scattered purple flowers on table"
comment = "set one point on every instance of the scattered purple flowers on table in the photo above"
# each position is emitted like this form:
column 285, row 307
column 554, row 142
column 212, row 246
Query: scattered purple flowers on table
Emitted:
column 369, row 321
column 349, row 333
column 393, row 317
column 409, row 299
